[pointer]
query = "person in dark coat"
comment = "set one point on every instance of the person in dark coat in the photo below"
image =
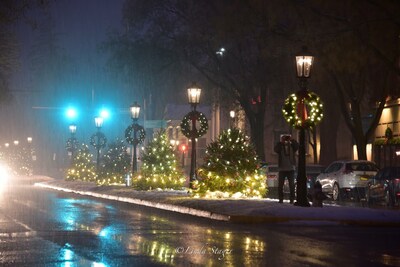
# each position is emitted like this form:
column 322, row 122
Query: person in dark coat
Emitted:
column 286, row 150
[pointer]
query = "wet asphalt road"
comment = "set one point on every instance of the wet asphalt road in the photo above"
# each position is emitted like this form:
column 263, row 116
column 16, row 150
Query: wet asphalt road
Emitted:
column 68, row 230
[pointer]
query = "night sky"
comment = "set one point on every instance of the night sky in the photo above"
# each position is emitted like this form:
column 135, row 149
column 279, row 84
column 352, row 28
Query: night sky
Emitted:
column 80, row 27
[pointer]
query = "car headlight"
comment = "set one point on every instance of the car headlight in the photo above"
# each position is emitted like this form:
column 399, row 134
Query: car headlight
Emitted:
column 4, row 173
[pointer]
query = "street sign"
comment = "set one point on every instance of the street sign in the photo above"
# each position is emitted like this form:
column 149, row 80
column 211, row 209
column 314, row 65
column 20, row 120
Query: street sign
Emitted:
column 155, row 124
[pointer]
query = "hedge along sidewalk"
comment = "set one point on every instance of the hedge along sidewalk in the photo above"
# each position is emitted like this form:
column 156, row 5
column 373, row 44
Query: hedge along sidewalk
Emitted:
column 232, row 210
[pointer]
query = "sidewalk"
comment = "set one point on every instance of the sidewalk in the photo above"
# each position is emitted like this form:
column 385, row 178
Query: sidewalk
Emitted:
column 233, row 210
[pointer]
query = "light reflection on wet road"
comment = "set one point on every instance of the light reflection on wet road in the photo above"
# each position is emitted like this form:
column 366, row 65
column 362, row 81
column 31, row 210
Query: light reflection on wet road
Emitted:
column 74, row 231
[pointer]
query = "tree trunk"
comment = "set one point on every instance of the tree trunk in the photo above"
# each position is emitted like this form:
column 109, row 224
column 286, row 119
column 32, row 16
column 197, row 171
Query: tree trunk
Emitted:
column 361, row 149
column 328, row 135
column 255, row 114
column 257, row 135
column 312, row 141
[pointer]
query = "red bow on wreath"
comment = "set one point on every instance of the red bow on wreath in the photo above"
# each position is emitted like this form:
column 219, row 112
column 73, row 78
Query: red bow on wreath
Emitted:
column 302, row 111
column 302, row 107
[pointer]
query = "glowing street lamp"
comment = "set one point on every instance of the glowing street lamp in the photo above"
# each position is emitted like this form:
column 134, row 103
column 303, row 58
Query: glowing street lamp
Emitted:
column 72, row 129
column 138, row 134
column 304, row 64
column 194, row 93
column 135, row 111
column 188, row 127
column 183, row 149
column 232, row 115
column 72, row 142
column 98, row 140
column 98, row 121
column 174, row 143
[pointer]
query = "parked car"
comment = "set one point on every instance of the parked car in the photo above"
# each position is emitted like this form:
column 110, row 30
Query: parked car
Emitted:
column 385, row 186
column 347, row 179
column 272, row 171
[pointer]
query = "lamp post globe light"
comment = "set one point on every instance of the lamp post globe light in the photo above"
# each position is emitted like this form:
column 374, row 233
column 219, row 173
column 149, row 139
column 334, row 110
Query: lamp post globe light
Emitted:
column 194, row 99
column 134, row 134
column 183, row 149
column 98, row 140
column 303, row 70
column 188, row 127
column 232, row 115
column 72, row 142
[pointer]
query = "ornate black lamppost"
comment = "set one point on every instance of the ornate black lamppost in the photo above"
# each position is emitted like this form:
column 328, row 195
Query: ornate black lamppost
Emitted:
column 98, row 140
column 72, row 142
column 302, row 111
column 188, row 127
column 183, row 148
column 303, row 69
column 134, row 134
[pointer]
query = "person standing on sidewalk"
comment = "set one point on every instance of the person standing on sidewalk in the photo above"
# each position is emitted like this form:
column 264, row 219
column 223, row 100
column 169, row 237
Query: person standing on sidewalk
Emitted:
column 286, row 150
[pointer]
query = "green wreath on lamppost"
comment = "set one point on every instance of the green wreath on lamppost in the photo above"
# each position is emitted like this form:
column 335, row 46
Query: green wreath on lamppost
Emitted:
column 129, row 132
column 71, row 144
column 303, row 110
column 187, row 122
column 98, row 140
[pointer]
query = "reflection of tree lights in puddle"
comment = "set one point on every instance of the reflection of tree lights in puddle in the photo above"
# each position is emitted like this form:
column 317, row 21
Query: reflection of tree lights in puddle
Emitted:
column 158, row 251
column 70, row 259
column 254, row 244
column 228, row 236
column 67, row 253
column 98, row 264
column 105, row 232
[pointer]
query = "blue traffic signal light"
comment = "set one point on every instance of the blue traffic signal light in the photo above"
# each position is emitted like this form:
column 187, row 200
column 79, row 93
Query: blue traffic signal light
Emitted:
column 104, row 113
column 71, row 113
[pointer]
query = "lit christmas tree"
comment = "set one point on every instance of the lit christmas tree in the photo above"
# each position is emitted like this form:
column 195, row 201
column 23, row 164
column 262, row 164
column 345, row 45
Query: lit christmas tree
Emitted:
column 82, row 167
column 230, row 169
column 160, row 166
column 116, row 163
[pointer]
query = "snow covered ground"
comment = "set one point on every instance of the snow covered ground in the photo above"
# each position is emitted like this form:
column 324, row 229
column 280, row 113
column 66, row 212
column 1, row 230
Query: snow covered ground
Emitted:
column 234, row 210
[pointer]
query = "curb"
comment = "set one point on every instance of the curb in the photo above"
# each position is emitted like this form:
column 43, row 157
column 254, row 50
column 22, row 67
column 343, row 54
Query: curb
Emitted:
column 305, row 220
column 146, row 203
column 247, row 219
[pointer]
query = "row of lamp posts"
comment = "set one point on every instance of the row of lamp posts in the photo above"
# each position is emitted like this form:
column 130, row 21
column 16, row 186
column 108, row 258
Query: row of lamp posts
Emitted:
column 303, row 70
column 98, row 140
column 135, row 133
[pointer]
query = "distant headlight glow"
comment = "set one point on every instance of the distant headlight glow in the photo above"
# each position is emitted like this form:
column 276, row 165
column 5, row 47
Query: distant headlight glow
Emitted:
column 4, row 174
